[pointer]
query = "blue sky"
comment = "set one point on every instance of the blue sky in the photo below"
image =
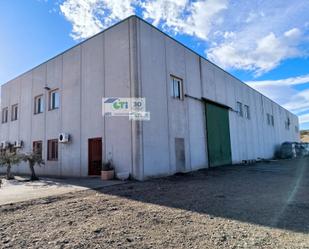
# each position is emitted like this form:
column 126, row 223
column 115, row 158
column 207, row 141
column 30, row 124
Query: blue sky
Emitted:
column 264, row 43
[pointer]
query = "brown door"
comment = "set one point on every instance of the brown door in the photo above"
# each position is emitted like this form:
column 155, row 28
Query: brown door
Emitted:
column 95, row 156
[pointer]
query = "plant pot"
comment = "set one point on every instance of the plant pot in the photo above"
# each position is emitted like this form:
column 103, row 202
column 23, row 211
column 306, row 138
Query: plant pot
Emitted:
column 107, row 174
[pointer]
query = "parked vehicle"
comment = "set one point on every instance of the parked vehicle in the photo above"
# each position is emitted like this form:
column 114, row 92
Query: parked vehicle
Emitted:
column 289, row 150
column 305, row 149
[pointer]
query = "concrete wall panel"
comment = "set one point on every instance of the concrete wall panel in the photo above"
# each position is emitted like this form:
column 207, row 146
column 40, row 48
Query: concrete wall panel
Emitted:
column 92, row 93
column 71, row 112
column 117, row 84
column 154, row 82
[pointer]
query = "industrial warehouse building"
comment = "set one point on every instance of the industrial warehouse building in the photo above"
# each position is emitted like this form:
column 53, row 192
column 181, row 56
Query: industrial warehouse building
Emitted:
column 200, row 116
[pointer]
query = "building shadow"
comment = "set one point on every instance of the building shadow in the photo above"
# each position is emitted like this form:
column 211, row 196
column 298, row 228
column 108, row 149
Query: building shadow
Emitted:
column 269, row 194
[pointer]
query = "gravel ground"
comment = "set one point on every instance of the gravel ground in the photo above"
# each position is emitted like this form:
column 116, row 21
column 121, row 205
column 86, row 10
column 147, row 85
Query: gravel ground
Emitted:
column 260, row 206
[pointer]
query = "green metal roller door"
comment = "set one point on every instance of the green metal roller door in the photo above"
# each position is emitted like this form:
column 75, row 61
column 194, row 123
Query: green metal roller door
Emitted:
column 218, row 135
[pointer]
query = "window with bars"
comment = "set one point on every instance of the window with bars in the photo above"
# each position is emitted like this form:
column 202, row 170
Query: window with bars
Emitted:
column 247, row 112
column 54, row 99
column 38, row 104
column 177, row 88
column 52, row 150
column 5, row 115
column 270, row 119
column 14, row 114
column 239, row 109
column 38, row 147
column 287, row 124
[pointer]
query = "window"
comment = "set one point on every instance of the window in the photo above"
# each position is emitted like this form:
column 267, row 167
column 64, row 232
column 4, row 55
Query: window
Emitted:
column 272, row 120
column 52, row 150
column 5, row 115
column 287, row 124
column 247, row 111
column 239, row 109
column 14, row 112
column 38, row 147
column 177, row 88
column 38, row 104
column 54, row 100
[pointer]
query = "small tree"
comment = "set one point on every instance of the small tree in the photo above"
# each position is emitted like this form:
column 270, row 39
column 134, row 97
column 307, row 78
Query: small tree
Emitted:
column 33, row 159
column 8, row 159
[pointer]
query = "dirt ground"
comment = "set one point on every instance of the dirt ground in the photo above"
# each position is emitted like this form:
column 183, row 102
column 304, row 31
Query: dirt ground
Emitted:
column 260, row 206
column 21, row 189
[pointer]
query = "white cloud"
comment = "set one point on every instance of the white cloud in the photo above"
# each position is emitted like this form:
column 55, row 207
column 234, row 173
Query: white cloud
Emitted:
column 298, row 102
column 183, row 16
column 264, row 35
column 168, row 11
column 253, row 16
column 88, row 17
column 287, row 82
column 284, row 93
column 241, row 34
column 260, row 55
column 303, row 119
column 177, row 16
column 237, row 34
column 293, row 33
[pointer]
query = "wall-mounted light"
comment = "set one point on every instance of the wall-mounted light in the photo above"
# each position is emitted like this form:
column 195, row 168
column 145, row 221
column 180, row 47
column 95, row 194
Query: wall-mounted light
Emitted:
column 47, row 88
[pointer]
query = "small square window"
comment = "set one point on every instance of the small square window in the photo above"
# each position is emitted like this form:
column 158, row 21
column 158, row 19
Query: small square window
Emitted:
column 54, row 100
column 52, row 150
column 247, row 111
column 5, row 115
column 177, row 88
column 239, row 109
column 14, row 113
column 38, row 104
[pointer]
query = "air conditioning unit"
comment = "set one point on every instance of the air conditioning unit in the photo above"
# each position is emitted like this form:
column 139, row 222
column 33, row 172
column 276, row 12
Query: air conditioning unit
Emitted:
column 5, row 144
column 18, row 144
column 63, row 138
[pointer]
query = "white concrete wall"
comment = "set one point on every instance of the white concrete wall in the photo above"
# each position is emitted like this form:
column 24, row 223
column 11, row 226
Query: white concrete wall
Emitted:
column 117, row 84
column 129, row 60
column 92, row 121
column 84, row 75
column 161, row 57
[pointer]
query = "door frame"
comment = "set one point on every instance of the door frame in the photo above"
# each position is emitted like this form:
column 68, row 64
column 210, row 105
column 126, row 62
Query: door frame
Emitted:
column 207, row 101
column 89, row 157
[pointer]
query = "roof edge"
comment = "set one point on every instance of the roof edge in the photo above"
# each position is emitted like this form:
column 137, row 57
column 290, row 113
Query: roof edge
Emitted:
column 76, row 45
column 141, row 19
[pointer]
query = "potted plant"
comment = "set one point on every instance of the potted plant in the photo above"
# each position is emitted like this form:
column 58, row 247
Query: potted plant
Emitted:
column 107, row 171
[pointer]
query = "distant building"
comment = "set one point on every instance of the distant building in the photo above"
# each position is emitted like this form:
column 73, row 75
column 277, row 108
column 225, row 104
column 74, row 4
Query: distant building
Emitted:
column 200, row 115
